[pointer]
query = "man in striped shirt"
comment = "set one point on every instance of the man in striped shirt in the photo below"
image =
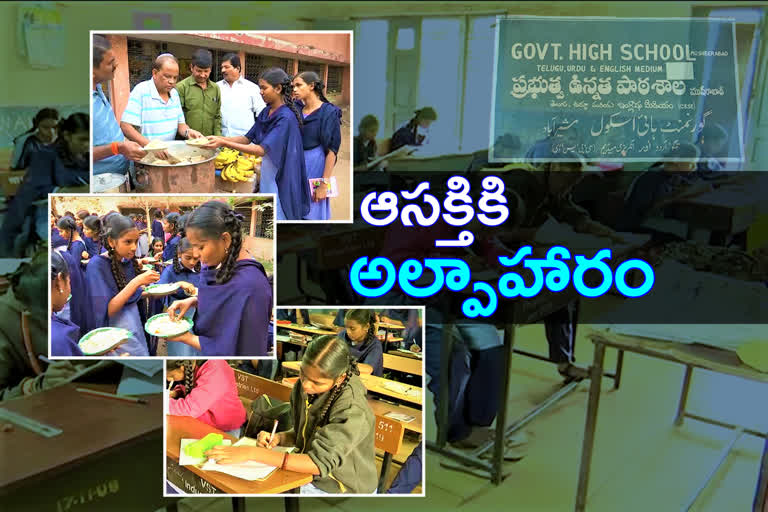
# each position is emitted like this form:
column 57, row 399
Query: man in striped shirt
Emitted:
column 154, row 109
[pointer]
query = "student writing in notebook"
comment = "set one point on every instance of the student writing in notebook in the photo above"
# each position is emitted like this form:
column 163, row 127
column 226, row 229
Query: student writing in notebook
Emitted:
column 333, row 426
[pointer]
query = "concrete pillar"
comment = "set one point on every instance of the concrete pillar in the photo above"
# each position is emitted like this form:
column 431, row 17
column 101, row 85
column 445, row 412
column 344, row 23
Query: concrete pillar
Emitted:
column 324, row 76
column 241, row 54
column 120, row 88
column 295, row 70
column 346, row 83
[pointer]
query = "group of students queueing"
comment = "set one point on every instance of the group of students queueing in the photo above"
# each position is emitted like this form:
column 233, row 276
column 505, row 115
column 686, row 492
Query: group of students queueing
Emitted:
column 223, row 289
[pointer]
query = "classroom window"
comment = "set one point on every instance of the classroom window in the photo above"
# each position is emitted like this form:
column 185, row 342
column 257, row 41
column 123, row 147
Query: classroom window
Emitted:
column 478, row 84
column 440, row 79
column 406, row 39
column 370, row 81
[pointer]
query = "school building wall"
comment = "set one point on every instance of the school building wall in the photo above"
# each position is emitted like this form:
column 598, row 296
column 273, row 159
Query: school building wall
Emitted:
column 328, row 49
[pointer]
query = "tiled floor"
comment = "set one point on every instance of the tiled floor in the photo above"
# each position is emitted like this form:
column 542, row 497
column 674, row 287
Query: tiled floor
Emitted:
column 641, row 461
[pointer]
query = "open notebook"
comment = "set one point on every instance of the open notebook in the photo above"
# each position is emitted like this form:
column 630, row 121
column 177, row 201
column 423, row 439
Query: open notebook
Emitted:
column 250, row 470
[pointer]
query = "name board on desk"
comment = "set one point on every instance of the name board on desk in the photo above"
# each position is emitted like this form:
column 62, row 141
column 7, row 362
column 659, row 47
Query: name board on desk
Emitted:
column 253, row 386
column 614, row 89
column 188, row 481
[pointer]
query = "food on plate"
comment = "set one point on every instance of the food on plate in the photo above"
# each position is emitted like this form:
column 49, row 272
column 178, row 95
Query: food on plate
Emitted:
column 200, row 141
column 161, row 289
column 161, row 325
column 156, row 145
column 102, row 340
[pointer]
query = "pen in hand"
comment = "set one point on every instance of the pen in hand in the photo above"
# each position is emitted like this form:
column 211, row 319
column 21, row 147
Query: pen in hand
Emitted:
column 272, row 436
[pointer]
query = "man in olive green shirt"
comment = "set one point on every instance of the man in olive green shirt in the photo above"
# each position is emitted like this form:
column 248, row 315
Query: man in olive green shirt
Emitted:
column 200, row 97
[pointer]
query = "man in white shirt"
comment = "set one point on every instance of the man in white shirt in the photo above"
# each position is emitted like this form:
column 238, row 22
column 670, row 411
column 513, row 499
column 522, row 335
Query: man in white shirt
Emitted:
column 241, row 99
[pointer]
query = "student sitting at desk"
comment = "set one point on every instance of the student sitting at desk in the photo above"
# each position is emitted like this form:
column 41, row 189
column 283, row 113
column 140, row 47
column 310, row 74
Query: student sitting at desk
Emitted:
column 64, row 334
column 416, row 131
column 364, row 144
column 208, row 392
column 333, row 426
column 24, row 317
column 295, row 316
column 360, row 334
column 663, row 183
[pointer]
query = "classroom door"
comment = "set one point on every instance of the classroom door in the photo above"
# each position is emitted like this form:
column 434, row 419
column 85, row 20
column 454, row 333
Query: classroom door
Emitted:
column 403, row 70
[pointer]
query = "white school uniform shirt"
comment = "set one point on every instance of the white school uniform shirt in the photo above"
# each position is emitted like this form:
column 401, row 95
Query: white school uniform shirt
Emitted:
column 240, row 102
column 158, row 119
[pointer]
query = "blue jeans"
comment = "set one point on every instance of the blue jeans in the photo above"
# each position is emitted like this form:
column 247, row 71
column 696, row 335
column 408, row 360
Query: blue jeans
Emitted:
column 409, row 475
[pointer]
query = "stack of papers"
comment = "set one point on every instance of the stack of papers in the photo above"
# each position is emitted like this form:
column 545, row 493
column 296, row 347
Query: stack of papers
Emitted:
column 403, row 389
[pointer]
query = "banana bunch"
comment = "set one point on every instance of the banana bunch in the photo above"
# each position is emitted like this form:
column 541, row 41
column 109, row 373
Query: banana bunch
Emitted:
column 239, row 170
column 225, row 157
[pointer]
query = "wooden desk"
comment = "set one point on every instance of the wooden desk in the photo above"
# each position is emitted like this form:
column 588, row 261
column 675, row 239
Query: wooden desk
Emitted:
column 380, row 408
column 403, row 364
column 198, row 481
column 305, row 329
column 389, row 326
column 373, row 384
column 692, row 356
column 106, row 458
column 730, row 209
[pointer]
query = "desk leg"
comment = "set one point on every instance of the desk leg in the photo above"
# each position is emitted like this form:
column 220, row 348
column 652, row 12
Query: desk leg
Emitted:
column 501, row 416
column 619, row 368
column 684, row 396
column 291, row 504
column 596, row 374
column 761, row 499
column 443, row 408
column 238, row 504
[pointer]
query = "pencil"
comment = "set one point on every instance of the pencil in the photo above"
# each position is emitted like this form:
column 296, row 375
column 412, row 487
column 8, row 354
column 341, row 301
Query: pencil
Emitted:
column 44, row 359
column 170, row 385
column 274, row 429
column 111, row 395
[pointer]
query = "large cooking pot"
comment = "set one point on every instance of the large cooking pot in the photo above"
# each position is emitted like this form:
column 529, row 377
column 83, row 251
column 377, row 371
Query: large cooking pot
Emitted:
column 191, row 177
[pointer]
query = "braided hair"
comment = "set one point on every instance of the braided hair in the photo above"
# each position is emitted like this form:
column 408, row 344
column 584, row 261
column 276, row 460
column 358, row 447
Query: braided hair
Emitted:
column 189, row 365
column 115, row 225
column 59, row 266
column 331, row 356
column 213, row 219
column 363, row 317
column 173, row 220
column 70, row 225
column 277, row 76
column 93, row 223
column 310, row 77
column 184, row 246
